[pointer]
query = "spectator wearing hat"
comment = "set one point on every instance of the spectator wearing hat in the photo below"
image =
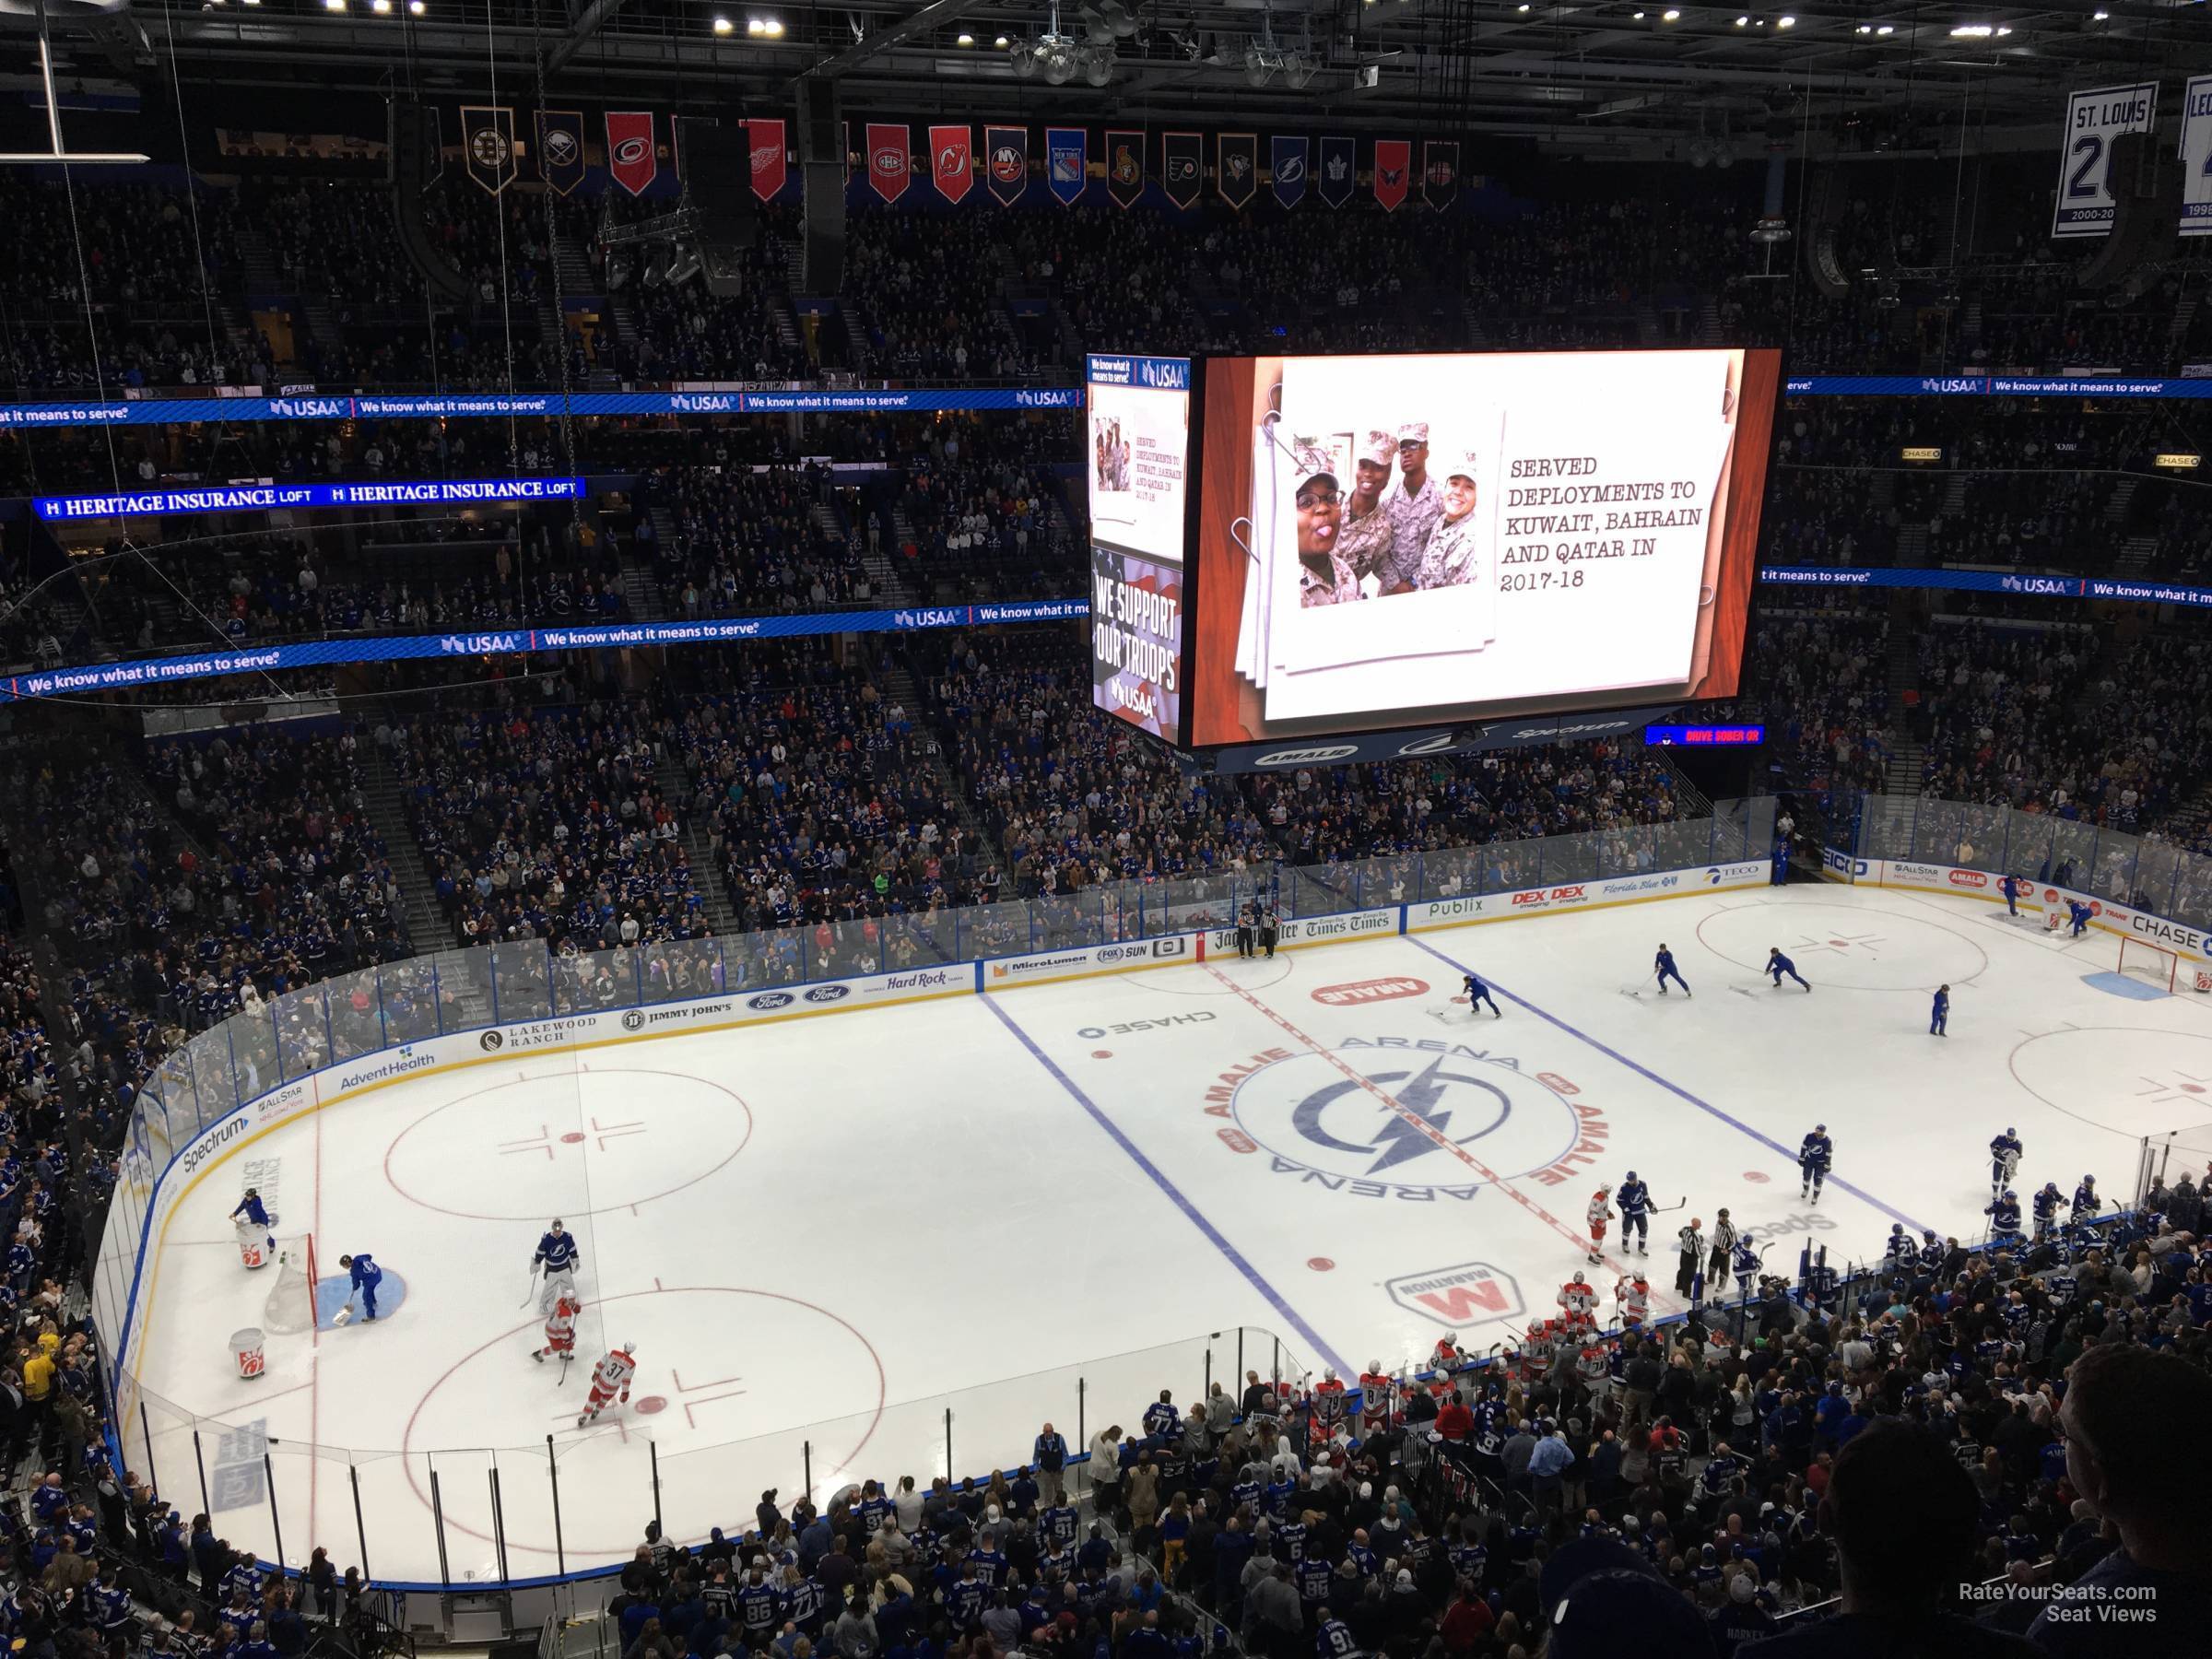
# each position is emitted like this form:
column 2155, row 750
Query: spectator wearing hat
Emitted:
column 1364, row 539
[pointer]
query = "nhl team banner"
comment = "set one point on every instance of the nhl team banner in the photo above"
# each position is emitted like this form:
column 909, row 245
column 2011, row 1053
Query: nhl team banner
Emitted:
column 2094, row 118
column 1067, row 157
column 1339, row 171
column 1440, row 173
column 2197, row 158
column 1007, row 159
column 890, row 163
column 1182, row 159
column 631, row 158
column 770, row 161
column 952, row 160
column 560, row 149
column 1237, row 167
column 1124, row 166
column 1394, row 161
column 1287, row 163
column 488, row 140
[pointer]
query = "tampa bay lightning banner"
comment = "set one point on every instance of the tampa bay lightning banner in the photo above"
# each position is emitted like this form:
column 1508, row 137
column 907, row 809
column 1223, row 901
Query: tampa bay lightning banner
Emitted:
column 269, row 497
column 560, row 149
column 1287, row 162
column 1065, row 161
column 1338, row 172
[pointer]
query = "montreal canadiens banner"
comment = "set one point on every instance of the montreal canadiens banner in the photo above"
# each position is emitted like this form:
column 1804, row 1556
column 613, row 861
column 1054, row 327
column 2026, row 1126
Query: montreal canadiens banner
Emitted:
column 1286, row 164
column 631, row 157
column 890, row 164
column 488, row 140
column 770, row 161
column 1007, row 160
column 1181, row 156
column 1067, row 158
column 1237, row 167
column 1339, row 171
column 952, row 160
column 560, row 149
column 1394, row 161
column 1124, row 166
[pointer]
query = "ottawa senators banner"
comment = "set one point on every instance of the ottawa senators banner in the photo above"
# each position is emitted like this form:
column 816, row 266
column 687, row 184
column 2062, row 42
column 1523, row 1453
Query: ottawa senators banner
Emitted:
column 1237, row 167
column 1124, row 166
column 560, row 149
column 1440, row 173
column 631, row 158
column 952, row 160
column 890, row 163
column 487, row 141
column 772, row 161
column 1394, row 161
column 1181, row 157
column 1007, row 160
column 1338, row 171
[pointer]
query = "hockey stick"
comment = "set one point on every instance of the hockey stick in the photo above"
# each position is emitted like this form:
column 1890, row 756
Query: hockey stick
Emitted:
column 530, row 1295
column 1668, row 1209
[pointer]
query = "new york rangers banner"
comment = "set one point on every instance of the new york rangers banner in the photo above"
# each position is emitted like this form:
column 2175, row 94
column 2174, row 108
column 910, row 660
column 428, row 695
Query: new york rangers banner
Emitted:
column 1440, row 173
column 772, row 161
column 1394, row 161
column 890, row 163
column 1181, row 157
column 560, row 149
column 1067, row 158
column 1237, row 167
column 952, row 160
column 1287, row 162
column 1124, row 166
column 2196, row 157
column 2094, row 118
column 488, row 140
column 1337, row 171
column 631, row 158
column 1007, row 158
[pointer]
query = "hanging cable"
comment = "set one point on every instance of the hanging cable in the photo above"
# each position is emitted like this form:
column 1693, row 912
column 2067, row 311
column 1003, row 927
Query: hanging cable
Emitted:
column 498, row 206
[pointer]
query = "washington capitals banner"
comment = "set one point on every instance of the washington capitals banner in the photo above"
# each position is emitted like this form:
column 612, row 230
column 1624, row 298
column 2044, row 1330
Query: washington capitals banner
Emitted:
column 631, row 157
column 1065, row 159
column 560, row 149
column 1394, row 161
column 1338, row 171
column 1440, row 173
column 1124, row 166
column 890, row 164
column 1287, row 162
column 1237, row 167
column 488, row 140
column 952, row 160
column 1181, row 157
column 770, row 161
column 1007, row 158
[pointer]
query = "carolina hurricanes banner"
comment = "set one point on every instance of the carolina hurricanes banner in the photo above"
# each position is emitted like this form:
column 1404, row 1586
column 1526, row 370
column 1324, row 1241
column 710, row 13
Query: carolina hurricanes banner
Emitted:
column 952, row 160
column 1237, row 167
column 1339, row 171
column 1007, row 159
column 1287, row 162
column 772, row 161
column 560, row 149
column 1066, row 159
column 488, row 140
column 631, row 157
column 890, row 163
column 1124, row 166
column 1440, row 173
column 1181, row 157
column 1394, row 161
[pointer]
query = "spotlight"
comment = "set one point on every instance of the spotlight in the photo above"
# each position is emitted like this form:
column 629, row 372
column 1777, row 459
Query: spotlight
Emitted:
column 966, row 39
column 382, row 8
column 723, row 26
column 683, row 264
column 1098, row 65
column 1024, row 59
column 1000, row 42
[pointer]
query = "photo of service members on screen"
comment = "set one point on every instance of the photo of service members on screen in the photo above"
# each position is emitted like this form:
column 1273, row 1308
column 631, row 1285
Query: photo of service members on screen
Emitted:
column 1110, row 456
column 1400, row 530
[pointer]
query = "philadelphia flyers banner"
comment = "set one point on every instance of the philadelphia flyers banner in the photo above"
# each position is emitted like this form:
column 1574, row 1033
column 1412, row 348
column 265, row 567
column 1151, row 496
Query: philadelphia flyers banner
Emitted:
column 952, row 160
column 1182, row 158
column 1394, row 161
column 631, row 158
column 1440, row 173
column 1124, row 166
column 890, row 163
column 770, row 159
column 1007, row 161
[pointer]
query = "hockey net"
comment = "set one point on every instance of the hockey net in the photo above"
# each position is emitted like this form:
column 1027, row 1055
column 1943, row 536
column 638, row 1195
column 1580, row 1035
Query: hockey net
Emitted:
column 2151, row 964
column 290, row 1310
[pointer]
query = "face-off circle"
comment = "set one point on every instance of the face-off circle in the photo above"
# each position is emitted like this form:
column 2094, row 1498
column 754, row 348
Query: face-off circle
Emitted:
column 1845, row 947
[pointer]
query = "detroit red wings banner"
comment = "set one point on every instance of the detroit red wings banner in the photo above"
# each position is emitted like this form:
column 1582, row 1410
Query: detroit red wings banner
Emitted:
column 890, row 164
column 770, row 161
column 952, row 160
column 1394, row 162
column 631, row 157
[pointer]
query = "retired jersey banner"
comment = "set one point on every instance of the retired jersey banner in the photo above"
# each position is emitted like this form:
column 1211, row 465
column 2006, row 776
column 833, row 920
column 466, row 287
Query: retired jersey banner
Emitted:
column 487, row 141
column 1124, row 166
column 1286, row 165
column 1440, row 173
column 1182, row 159
column 1237, row 167
column 560, row 149
column 890, row 161
column 952, row 160
column 2196, row 157
column 1007, row 160
column 2094, row 118
column 1066, row 159
column 1339, row 171
column 770, row 161
column 631, row 158
column 1394, row 161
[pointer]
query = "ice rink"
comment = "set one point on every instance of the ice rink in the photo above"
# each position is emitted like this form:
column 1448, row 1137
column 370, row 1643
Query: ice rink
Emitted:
column 824, row 1235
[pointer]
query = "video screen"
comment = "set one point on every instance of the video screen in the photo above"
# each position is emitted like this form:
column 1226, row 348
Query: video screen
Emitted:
column 1135, row 461
column 1386, row 541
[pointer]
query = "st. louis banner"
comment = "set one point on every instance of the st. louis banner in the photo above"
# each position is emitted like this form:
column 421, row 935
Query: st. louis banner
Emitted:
column 2085, row 164
column 1124, row 166
column 1286, row 164
column 1237, row 167
column 488, row 140
column 1067, row 157
column 560, row 149
column 1394, row 161
column 1440, row 173
column 952, row 160
column 890, row 163
column 2196, row 157
column 631, row 157
column 1339, row 171
column 770, row 161
column 1182, row 158
column 1007, row 159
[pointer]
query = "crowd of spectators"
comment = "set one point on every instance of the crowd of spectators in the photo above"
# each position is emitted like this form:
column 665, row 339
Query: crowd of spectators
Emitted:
column 747, row 541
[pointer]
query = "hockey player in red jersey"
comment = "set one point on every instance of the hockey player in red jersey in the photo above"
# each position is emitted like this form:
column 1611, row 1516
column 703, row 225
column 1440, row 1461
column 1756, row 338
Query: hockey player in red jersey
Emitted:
column 1634, row 1295
column 610, row 1384
column 560, row 1331
column 1577, row 1298
column 1374, row 1398
column 1600, row 1212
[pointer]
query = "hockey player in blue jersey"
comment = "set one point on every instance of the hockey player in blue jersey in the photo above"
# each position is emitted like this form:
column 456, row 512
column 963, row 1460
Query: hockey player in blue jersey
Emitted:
column 2004, row 1213
column 1778, row 965
column 1813, row 1160
column 1931, row 1251
column 1633, row 1200
column 2079, row 914
column 2004, row 1161
column 1900, row 1255
column 1939, row 1015
column 1478, row 993
column 2045, row 1204
column 2012, row 887
column 253, row 1209
column 2086, row 1203
column 366, row 1275
column 558, row 1255
column 1664, row 965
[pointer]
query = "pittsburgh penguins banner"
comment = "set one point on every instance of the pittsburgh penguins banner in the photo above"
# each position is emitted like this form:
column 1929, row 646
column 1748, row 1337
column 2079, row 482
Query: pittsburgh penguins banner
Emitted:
column 890, row 163
column 1066, row 161
column 560, row 148
column 1337, row 171
column 1440, row 173
column 2196, row 157
column 631, row 157
column 770, row 161
column 952, row 160
column 1237, row 167
column 1124, row 166
column 2086, row 203
column 1007, row 159
column 1286, row 164
column 1394, row 161
column 1182, row 158
column 488, row 140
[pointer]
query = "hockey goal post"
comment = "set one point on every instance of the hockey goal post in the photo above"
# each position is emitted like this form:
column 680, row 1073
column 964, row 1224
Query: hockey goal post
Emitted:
column 290, row 1307
column 2150, row 964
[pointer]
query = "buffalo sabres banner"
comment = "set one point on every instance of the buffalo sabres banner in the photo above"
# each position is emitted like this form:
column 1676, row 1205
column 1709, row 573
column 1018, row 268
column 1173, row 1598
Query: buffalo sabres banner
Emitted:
column 2196, row 157
column 1237, row 167
column 1394, row 161
column 560, row 148
column 1181, row 156
column 1287, row 163
column 488, row 140
column 1440, row 173
column 890, row 165
column 631, row 158
column 770, row 161
column 1007, row 159
column 2094, row 118
column 952, row 160
column 1124, row 166
column 1066, row 159
column 1337, row 171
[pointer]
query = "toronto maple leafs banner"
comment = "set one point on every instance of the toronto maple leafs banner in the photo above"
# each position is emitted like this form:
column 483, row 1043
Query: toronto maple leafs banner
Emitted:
column 560, row 149
column 1394, row 161
column 1237, row 167
column 488, row 140
column 1066, row 159
column 1124, row 166
column 1006, row 156
column 1287, row 162
column 1337, row 171
column 1182, row 158
column 1440, row 173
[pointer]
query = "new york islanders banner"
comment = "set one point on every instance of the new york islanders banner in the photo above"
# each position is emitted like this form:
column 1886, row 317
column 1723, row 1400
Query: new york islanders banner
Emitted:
column 1124, row 166
column 631, row 158
column 890, row 163
column 770, row 161
column 1339, row 171
column 1007, row 159
column 1394, row 161
column 952, row 160
column 488, row 140
column 1237, row 167
column 1181, row 157
column 1287, row 162
column 560, row 149
column 1067, row 158
column 1440, row 173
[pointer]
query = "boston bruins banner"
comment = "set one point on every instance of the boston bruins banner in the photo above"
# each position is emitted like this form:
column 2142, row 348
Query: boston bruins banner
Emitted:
column 488, row 140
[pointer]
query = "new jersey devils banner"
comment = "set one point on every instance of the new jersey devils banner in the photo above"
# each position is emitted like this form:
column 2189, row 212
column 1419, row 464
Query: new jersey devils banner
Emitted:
column 1394, row 161
column 952, row 160
column 1287, row 162
column 488, row 140
column 1237, row 167
column 1124, row 166
column 1440, row 173
column 1067, row 158
column 890, row 164
column 770, row 161
column 1337, row 171
column 1007, row 159
column 631, row 157
column 560, row 149
column 1181, row 156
